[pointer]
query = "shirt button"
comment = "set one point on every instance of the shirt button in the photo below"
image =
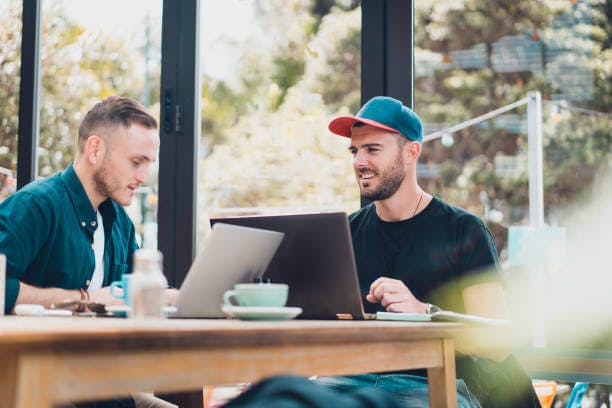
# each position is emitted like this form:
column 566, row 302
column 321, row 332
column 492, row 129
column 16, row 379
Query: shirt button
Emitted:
column 83, row 224
column 93, row 223
column 88, row 282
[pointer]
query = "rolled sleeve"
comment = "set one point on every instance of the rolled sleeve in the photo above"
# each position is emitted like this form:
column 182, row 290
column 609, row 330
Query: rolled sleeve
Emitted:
column 23, row 228
column 11, row 292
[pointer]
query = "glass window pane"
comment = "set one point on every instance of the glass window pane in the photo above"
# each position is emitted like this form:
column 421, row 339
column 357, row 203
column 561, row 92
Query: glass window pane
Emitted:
column 472, row 58
column 10, row 63
column 271, row 81
column 91, row 50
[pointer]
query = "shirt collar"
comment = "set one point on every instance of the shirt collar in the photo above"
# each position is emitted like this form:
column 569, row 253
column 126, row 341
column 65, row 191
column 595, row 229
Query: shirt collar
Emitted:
column 85, row 212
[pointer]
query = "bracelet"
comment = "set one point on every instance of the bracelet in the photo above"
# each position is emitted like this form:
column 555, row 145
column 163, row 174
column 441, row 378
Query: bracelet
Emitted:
column 84, row 300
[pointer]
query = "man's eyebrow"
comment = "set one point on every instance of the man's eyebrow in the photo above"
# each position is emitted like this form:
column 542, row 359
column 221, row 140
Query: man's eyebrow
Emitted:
column 143, row 157
column 353, row 147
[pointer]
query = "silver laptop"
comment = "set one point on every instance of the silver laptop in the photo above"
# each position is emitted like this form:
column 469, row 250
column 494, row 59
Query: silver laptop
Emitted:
column 316, row 260
column 231, row 254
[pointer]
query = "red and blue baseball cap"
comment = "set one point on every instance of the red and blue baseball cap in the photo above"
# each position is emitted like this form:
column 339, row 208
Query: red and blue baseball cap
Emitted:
column 385, row 113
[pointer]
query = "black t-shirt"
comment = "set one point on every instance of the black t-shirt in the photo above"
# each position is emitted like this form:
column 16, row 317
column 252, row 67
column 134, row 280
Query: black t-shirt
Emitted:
column 436, row 253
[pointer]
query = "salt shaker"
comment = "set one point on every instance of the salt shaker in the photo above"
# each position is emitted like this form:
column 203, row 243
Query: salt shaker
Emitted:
column 147, row 284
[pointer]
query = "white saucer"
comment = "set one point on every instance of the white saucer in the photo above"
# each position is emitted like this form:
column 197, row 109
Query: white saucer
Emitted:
column 122, row 310
column 260, row 312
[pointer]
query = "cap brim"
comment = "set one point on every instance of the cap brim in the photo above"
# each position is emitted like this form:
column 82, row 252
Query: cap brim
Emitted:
column 343, row 124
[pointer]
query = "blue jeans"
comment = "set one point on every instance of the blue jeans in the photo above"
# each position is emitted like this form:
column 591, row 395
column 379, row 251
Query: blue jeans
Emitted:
column 410, row 390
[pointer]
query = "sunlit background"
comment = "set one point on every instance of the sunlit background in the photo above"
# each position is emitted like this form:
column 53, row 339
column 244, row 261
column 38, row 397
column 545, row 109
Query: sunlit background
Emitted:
column 274, row 72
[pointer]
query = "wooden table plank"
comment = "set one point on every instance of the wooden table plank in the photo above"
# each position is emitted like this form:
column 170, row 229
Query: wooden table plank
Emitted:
column 76, row 359
column 68, row 333
column 82, row 376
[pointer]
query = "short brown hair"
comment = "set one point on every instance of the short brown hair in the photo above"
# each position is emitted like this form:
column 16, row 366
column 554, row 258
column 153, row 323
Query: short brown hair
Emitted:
column 112, row 112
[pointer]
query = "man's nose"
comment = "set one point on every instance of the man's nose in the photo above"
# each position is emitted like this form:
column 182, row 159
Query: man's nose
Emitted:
column 142, row 176
column 360, row 159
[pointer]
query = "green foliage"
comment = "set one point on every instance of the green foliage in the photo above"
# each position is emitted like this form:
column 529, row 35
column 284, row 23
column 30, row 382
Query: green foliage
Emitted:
column 264, row 133
column 287, row 72
column 281, row 162
column 452, row 25
column 344, row 72
column 279, row 153
column 326, row 68
column 10, row 52
column 77, row 69
column 577, row 145
column 577, row 152
column 221, row 109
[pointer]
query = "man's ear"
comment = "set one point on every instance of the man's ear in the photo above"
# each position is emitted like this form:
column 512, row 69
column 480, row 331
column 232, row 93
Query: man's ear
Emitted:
column 412, row 150
column 95, row 148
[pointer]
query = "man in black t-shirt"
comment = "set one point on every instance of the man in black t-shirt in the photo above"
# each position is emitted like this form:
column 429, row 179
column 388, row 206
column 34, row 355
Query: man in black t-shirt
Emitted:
column 438, row 253
column 415, row 253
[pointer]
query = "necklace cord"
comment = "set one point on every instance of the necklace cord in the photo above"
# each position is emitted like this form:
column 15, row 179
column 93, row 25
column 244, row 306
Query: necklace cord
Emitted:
column 418, row 203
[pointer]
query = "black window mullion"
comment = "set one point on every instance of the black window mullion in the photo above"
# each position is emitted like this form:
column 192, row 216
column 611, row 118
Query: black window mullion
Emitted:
column 179, row 133
column 29, row 124
column 387, row 51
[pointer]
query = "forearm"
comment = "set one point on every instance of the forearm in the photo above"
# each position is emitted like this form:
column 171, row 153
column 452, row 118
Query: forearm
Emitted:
column 487, row 300
column 29, row 294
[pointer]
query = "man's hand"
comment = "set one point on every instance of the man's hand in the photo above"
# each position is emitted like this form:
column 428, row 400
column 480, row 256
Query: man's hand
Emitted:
column 104, row 296
column 170, row 297
column 394, row 296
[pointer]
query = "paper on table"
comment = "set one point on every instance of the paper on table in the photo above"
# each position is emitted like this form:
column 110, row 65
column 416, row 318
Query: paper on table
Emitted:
column 448, row 316
column 441, row 316
column 410, row 317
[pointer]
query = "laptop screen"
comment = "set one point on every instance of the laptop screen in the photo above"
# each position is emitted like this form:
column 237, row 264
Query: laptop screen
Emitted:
column 315, row 259
column 231, row 254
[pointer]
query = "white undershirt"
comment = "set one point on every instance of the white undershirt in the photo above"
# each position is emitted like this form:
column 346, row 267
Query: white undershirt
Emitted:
column 98, row 247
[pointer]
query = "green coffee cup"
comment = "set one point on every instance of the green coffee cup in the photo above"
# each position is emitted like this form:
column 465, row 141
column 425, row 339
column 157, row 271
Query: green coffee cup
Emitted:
column 257, row 294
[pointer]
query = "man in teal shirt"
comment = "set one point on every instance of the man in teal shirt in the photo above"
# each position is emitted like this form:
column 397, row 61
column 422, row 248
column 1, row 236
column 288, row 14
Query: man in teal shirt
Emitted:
column 49, row 230
column 67, row 237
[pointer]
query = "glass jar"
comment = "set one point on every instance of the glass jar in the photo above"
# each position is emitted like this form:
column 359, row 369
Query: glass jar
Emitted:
column 148, row 284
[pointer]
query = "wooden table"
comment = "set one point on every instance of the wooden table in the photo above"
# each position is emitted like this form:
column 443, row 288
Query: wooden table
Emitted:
column 49, row 360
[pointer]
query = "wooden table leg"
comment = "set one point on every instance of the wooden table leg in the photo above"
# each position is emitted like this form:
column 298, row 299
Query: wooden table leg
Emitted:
column 442, row 384
column 31, row 386
column 8, row 379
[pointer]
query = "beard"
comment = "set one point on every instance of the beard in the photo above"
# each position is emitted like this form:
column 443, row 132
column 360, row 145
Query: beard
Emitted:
column 390, row 180
column 105, row 184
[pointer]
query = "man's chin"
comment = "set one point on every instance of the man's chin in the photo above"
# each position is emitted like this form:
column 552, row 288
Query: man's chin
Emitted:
column 366, row 188
column 123, row 201
column 368, row 194
column 374, row 195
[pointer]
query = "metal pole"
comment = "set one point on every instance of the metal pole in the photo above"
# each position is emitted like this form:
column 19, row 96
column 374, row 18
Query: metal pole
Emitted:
column 489, row 115
column 536, row 168
column 536, row 212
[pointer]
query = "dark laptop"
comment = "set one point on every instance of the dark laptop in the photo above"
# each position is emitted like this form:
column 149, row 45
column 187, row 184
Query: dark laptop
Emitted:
column 316, row 260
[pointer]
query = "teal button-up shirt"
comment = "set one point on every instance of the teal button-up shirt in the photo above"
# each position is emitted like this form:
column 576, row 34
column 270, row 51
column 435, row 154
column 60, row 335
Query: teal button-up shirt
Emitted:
column 46, row 232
